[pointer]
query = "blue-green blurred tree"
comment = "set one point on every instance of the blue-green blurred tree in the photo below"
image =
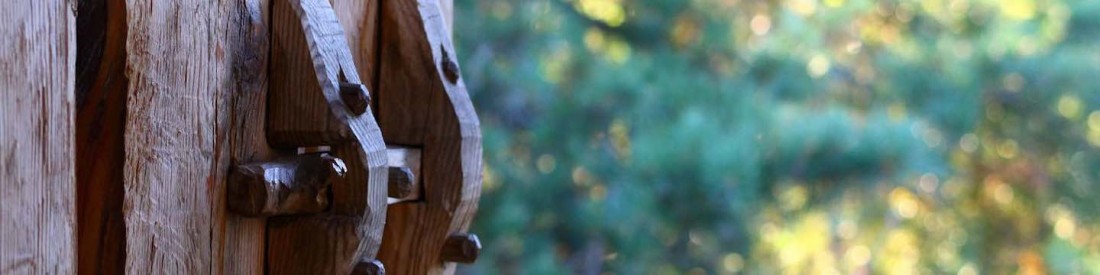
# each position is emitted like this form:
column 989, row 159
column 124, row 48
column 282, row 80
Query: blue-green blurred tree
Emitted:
column 725, row 136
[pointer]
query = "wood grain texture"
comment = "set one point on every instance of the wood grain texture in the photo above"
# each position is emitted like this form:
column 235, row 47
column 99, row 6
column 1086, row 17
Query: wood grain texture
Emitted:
column 37, row 174
column 100, row 118
column 241, row 241
column 418, row 107
column 312, row 124
column 300, row 115
column 331, row 243
column 187, row 62
column 360, row 21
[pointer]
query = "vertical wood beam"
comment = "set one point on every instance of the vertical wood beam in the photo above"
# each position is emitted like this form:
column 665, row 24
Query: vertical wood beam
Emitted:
column 243, row 240
column 196, row 88
column 37, row 174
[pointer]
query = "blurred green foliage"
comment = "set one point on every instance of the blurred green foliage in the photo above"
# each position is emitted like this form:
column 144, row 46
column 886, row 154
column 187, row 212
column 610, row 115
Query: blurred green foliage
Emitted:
column 786, row 136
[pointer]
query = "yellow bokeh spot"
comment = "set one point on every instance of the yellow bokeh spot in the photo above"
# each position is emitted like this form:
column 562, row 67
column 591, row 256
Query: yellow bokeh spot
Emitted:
column 968, row 269
column 896, row 112
column 620, row 139
column 818, row 66
column 794, row 198
column 489, row 179
column 834, row 3
column 1094, row 120
column 969, row 143
column 1064, row 227
column 546, row 164
column 502, row 10
column 1018, row 9
column 901, row 253
column 799, row 244
column 1013, row 82
column 733, row 263
column 847, row 230
column 1093, row 132
column 556, row 63
column 581, row 177
column 802, row 7
column 1008, row 149
column 618, row 51
column 928, row 182
column 609, row 12
column 684, row 31
column 760, row 24
column 1093, row 137
column 1069, row 106
column 1003, row 194
column 905, row 204
column 858, row 256
column 594, row 39
column 612, row 48
column 597, row 193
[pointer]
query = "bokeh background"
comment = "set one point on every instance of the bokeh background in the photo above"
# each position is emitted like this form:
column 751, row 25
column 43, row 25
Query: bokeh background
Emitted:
column 786, row 136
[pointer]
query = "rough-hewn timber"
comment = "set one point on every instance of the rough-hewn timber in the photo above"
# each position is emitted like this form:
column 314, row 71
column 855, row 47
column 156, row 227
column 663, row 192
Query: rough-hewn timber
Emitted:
column 37, row 174
column 418, row 106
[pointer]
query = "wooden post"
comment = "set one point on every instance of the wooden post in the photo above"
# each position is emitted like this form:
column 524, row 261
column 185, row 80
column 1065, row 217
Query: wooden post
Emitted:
column 197, row 86
column 37, row 213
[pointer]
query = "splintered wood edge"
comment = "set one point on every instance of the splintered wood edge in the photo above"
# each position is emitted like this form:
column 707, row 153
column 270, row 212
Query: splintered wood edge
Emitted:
column 331, row 56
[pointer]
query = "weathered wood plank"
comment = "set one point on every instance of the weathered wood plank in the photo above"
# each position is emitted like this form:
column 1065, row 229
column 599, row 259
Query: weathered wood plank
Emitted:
column 37, row 174
column 101, row 110
column 187, row 62
column 172, row 134
column 419, row 106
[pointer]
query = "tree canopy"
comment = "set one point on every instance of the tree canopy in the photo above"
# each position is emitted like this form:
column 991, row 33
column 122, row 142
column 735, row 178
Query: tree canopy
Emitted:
column 786, row 136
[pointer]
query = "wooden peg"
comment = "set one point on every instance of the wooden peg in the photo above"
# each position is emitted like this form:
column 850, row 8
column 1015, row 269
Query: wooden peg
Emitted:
column 294, row 185
column 401, row 182
column 404, row 163
column 355, row 96
column 373, row 267
column 461, row 248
